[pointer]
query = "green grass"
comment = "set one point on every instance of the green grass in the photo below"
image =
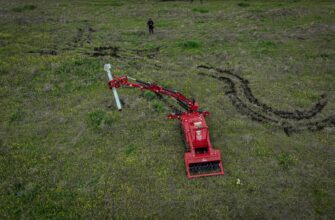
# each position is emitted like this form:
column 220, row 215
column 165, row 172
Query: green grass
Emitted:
column 67, row 153
column 24, row 8
column 190, row 44
column 96, row 117
column 158, row 106
column 286, row 160
column 130, row 149
column 200, row 10
column 16, row 116
column 243, row 4
column 99, row 117
column 149, row 95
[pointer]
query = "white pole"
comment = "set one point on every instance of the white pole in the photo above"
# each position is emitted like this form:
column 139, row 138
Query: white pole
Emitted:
column 107, row 68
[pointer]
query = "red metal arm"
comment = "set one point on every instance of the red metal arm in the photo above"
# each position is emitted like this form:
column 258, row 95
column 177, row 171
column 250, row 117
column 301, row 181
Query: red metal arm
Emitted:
column 189, row 105
column 201, row 159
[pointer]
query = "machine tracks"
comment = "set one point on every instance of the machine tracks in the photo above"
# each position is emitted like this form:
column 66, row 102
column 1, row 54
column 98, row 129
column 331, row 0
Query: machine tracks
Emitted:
column 242, row 98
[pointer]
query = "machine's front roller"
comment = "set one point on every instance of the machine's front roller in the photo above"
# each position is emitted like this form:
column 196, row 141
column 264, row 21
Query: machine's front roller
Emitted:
column 198, row 166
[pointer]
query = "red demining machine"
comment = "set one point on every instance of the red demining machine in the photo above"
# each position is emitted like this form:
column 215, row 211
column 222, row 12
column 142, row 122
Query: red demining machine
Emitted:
column 200, row 157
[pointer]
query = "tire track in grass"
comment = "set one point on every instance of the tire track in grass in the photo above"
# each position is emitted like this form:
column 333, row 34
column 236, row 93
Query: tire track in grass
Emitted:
column 117, row 52
column 289, row 121
column 238, row 103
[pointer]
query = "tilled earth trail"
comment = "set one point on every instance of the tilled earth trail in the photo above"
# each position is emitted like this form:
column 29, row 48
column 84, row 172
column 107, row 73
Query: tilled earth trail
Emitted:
column 246, row 103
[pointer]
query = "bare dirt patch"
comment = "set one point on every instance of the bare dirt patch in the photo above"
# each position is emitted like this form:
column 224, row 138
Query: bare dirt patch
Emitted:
column 45, row 52
column 150, row 53
column 84, row 35
column 117, row 52
column 105, row 51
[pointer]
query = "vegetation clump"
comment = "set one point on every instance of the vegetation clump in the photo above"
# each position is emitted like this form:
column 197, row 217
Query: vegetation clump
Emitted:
column 100, row 118
column 243, row 4
column 24, row 8
column 190, row 44
column 200, row 10
column 286, row 160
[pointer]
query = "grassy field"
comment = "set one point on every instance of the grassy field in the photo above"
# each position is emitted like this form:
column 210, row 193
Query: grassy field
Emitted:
column 66, row 152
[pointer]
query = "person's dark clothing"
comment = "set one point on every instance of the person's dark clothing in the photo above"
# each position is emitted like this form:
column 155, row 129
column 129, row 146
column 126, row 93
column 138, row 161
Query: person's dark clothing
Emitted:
column 150, row 24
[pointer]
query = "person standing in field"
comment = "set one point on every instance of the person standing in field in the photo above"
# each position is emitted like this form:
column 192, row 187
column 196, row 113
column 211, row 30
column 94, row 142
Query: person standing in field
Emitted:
column 150, row 24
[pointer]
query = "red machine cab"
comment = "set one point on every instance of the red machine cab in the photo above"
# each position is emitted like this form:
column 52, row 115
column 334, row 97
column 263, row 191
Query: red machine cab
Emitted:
column 201, row 159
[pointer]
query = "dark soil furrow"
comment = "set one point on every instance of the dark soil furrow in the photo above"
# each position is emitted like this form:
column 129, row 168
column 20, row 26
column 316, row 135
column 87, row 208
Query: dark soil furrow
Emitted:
column 289, row 121
column 115, row 51
column 238, row 103
column 106, row 51
column 83, row 35
column 45, row 52
column 295, row 115
column 312, row 126
column 150, row 53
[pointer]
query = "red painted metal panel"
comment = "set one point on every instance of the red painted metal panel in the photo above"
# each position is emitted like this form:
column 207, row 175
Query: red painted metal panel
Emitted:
column 200, row 159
